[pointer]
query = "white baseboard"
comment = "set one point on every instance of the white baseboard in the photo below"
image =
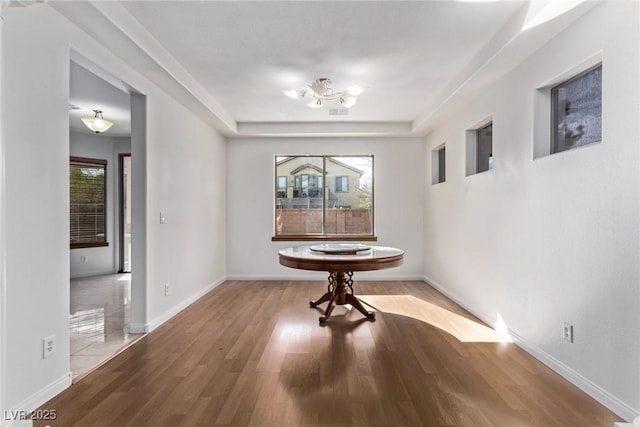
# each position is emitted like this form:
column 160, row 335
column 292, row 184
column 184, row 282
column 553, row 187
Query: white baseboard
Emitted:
column 34, row 401
column 614, row 404
column 153, row 324
column 137, row 328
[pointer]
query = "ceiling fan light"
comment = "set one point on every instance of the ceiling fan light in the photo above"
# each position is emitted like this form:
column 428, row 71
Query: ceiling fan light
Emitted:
column 295, row 93
column 321, row 91
column 348, row 101
column 97, row 124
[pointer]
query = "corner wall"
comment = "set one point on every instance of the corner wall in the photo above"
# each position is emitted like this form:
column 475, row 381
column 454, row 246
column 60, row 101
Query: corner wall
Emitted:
column 556, row 239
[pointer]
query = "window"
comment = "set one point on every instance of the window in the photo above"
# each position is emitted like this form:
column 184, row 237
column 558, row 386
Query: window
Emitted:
column 479, row 146
column 342, row 184
column 322, row 204
column 87, row 197
column 484, row 147
column 281, row 186
column 576, row 111
column 307, row 186
column 438, row 165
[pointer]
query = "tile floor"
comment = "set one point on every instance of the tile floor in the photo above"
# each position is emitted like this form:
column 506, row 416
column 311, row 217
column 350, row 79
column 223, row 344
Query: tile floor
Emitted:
column 100, row 307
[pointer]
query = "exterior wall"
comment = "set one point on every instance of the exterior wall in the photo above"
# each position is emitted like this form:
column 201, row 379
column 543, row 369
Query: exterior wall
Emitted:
column 538, row 242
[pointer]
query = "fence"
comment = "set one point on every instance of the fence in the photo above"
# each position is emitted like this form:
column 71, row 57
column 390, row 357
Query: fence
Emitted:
column 338, row 221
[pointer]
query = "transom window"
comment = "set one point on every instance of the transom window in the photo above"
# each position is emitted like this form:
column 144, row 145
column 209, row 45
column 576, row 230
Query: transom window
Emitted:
column 324, row 197
column 87, row 200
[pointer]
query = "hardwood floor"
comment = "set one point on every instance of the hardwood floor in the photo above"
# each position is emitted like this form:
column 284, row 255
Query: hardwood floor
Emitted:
column 251, row 353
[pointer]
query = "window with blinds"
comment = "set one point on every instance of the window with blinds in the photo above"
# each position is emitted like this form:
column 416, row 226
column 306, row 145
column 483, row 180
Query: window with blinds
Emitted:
column 87, row 200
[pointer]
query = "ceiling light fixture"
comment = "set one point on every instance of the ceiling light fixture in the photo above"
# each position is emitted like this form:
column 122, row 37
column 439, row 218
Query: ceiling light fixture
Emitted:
column 98, row 124
column 321, row 90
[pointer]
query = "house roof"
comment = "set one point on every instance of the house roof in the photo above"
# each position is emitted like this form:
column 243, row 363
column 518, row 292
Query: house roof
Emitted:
column 312, row 166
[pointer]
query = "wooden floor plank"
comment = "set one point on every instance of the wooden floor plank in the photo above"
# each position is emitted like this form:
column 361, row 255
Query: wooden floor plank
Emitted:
column 251, row 353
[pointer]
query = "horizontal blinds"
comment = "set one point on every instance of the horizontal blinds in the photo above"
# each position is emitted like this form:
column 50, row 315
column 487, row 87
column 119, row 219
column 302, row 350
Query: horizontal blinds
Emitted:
column 87, row 194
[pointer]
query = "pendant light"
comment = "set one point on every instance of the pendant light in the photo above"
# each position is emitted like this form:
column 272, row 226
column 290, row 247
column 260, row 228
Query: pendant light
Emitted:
column 97, row 124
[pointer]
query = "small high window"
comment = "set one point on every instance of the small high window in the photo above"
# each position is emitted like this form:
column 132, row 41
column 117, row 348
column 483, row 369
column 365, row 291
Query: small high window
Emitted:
column 576, row 111
column 479, row 144
column 484, row 150
column 87, row 200
column 438, row 165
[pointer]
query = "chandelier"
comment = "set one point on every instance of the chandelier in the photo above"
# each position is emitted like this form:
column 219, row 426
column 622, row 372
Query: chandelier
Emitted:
column 98, row 124
column 321, row 90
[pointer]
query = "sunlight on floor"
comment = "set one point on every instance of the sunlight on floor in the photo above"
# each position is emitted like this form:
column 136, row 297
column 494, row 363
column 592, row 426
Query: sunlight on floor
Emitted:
column 460, row 327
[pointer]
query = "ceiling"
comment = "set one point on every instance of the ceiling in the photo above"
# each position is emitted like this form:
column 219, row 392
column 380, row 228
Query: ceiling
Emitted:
column 88, row 92
column 229, row 61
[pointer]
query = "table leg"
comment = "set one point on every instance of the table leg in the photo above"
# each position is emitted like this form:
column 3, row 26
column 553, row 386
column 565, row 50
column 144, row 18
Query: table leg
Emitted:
column 340, row 283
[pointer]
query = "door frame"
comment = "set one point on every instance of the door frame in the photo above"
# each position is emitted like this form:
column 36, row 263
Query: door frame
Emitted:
column 121, row 219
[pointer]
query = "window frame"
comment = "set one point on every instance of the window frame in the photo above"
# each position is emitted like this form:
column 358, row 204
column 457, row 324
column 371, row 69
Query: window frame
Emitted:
column 95, row 163
column 320, row 178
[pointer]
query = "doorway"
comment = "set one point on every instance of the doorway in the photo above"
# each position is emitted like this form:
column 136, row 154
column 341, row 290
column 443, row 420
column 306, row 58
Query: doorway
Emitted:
column 101, row 301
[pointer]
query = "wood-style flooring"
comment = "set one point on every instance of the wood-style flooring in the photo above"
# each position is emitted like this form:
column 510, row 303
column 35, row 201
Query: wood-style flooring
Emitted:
column 251, row 353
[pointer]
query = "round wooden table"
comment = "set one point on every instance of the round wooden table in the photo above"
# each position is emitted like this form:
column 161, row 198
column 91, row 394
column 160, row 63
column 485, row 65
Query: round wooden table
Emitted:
column 341, row 260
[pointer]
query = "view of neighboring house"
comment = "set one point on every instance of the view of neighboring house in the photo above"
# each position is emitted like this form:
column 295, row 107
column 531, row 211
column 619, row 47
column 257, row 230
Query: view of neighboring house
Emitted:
column 301, row 183
column 324, row 195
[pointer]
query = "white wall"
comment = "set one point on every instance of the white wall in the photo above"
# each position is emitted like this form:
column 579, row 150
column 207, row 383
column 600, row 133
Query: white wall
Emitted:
column 184, row 166
column 398, row 201
column 186, row 178
column 556, row 239
column 3, row 231
column 104, row 259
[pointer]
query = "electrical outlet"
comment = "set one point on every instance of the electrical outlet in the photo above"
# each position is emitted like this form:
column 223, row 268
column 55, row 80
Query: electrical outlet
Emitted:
column 166, row 290
column 567, row 332
column 163, row 218
column 48, row 346
column 83, row 259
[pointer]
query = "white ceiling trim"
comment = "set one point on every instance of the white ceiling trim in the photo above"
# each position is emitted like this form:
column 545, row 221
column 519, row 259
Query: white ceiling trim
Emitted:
column 315, row 129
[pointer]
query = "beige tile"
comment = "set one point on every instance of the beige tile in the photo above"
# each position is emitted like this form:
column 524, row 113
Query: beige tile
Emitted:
column 99, row 315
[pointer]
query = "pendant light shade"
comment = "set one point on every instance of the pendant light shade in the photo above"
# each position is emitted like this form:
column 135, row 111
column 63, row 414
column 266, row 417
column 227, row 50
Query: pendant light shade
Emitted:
column 97, row 124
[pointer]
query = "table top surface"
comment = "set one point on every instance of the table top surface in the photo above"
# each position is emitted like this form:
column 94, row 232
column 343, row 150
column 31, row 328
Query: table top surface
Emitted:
column 373, row 258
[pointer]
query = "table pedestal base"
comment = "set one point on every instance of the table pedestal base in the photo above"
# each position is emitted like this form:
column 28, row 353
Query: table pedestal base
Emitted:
column 340, row 292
